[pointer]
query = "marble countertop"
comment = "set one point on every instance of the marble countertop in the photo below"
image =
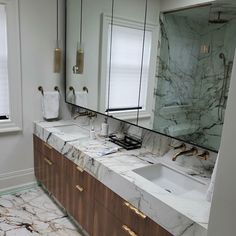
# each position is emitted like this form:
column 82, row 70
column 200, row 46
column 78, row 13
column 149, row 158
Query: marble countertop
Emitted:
column 114, row 166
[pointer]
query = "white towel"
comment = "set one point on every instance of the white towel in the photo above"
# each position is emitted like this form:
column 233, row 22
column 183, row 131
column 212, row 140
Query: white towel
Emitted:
column 212, row 183
column 50, row 105
column 81, row 99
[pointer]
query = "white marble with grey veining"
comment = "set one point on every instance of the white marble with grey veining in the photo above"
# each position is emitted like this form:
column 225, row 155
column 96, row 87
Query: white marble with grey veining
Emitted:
column 180, row 216
column 32, row 212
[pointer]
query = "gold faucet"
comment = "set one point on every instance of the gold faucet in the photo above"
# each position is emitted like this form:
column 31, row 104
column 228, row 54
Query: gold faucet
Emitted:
column 204, row 156
column 192, row 151
column 180, row 146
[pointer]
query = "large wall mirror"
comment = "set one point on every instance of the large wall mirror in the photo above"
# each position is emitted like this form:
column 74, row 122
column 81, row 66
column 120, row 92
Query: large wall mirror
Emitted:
column 165, row 71
column 195, row 60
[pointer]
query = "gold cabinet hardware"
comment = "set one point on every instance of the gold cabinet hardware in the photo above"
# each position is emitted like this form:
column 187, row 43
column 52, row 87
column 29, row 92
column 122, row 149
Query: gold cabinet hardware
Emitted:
column 79, row 188
column 137, row 212
column 48, row 146
column 48, row 161
column 128, row 230
column 80, row 169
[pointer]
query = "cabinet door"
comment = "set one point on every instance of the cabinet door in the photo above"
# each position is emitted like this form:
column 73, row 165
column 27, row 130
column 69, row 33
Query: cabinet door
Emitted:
column 67, row 185
column 121, row 209
column 55, row 175
column 83, row 198
column 153, row 229
column 48, row 166
column 105, row 224
column 38, row 160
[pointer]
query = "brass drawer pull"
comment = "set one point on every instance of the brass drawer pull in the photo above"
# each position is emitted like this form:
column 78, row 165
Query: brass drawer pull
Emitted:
column 79, row 188
column 128, row 230
column 137, row 212
column 48, row 146
column 80, row 169
column 48, row 161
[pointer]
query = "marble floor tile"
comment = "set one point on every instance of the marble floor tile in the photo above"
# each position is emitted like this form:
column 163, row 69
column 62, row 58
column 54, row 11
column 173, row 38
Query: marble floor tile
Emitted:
column 32, row 212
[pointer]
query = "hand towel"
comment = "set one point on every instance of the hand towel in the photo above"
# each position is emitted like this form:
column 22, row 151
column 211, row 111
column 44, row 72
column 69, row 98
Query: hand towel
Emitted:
column 50, row 105
column 81, row 99
column 212, row 183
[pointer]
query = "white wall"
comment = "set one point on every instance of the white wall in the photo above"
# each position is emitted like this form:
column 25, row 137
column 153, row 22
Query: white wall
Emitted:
column 223, row 210
column 38, row 34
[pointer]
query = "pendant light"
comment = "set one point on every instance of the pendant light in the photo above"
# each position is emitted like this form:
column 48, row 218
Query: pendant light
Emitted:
column 79, row 66
column 57, row 50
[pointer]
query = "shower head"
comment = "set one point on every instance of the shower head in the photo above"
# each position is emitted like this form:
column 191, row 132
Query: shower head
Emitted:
column 218, row 20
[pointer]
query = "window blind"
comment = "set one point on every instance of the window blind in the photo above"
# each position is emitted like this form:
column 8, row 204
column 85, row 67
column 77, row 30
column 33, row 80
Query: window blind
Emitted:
column 4, row 87
column 127, row 43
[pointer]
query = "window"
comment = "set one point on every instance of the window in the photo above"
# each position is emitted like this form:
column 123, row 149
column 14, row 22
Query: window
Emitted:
column 10, row 69
column 127, row 44
column 4, row 87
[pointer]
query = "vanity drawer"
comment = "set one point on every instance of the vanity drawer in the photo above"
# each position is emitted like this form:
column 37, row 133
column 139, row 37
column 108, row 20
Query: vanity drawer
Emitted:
column 121, row 209
column 105, row 224
column 83, row 198
column 47, row 150
column 38, row 143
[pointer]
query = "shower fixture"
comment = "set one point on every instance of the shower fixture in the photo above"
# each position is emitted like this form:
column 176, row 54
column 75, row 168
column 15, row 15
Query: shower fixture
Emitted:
column 223, row 96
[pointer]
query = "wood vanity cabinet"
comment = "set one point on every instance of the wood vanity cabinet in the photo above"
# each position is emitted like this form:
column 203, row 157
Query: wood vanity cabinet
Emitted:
column 99, row 211
column 129, row 220
column 70, row 185
column 48, row 165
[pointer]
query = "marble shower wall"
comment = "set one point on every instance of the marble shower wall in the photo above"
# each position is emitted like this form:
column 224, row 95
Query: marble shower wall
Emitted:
column 189, row 86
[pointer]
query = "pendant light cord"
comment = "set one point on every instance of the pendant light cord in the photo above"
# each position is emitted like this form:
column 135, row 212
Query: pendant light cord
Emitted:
column 57, row 24
column 81, row 22
column 110, row 57
column 143, row 50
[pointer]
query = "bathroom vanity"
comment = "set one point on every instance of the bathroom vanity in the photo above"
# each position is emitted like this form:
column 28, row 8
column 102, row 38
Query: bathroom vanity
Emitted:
column 108, row 191
column 95, row 207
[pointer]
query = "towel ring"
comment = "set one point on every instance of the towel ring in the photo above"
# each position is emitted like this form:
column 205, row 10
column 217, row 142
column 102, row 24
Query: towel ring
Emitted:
column 72, row 89
column 85, row 89
column 40, row 88
column 57, row 89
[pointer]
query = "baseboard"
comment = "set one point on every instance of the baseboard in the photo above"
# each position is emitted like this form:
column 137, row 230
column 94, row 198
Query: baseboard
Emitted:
column 16, row 180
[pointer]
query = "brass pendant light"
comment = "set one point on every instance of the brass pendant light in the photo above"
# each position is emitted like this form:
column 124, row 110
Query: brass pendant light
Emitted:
column 57, row 50
column 79, row 66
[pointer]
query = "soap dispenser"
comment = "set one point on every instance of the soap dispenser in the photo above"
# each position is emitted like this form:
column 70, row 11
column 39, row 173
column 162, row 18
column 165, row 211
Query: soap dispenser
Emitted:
column 92, row 133
column 104, row 128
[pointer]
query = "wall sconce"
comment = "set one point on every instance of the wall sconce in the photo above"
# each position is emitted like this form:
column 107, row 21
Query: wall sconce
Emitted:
column 57, row 50
column 205, row 49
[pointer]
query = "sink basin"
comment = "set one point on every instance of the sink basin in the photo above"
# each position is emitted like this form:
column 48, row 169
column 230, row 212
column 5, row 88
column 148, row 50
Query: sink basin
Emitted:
column 72, row 131
column 173, row 181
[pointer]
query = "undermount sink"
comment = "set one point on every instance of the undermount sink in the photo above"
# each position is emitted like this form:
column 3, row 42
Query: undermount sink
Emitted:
column 173, row 181
column 73, row 131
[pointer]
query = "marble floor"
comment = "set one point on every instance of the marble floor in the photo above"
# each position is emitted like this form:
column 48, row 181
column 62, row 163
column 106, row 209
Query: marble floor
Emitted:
column 32, row 212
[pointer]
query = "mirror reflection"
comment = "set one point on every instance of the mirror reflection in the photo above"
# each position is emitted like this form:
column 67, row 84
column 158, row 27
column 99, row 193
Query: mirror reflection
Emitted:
column 195, row 61
column 169, row 72
column 106, row 55
column 84, row 39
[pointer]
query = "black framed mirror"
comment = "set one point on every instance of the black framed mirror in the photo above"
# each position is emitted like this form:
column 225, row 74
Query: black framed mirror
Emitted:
column 194, row 64
column 167, row 71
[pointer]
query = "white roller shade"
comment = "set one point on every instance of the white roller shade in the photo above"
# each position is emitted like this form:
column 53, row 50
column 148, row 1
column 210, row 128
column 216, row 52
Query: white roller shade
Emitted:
column 127, row 43
column 4, row 88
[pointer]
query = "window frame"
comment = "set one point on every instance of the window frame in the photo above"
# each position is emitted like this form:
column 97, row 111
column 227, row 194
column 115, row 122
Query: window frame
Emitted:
column 14, row 123
column 127, row 115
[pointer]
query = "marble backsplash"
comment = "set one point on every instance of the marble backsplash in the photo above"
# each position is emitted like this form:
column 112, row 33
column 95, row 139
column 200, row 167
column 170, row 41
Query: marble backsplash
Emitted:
column 189, row 99
column 155, row 143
